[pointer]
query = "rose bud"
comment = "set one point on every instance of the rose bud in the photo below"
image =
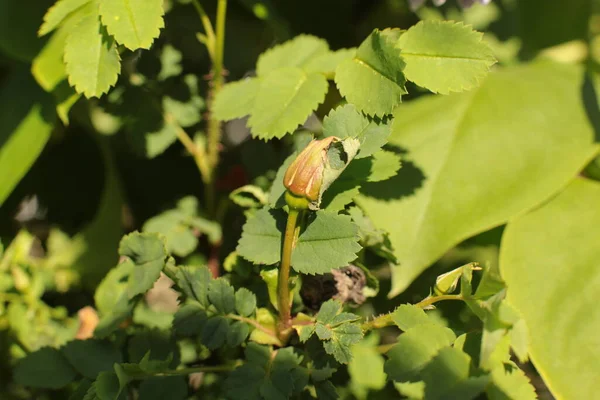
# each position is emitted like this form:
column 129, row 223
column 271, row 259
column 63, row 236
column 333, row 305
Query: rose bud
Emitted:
column 304, row 177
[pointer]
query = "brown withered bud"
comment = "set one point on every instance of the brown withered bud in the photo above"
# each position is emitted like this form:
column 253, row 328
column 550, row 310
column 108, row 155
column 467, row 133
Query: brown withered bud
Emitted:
column 304, row 177
column 344, row 284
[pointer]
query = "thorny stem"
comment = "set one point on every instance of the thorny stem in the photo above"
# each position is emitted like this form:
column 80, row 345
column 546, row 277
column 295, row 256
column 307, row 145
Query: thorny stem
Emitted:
column 292, row 231
column 386, row 319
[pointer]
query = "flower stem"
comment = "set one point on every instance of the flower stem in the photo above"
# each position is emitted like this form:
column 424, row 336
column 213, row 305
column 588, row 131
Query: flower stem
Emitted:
column 208, row 28
column 386, row 319
column 292, row 231
column 214, row 125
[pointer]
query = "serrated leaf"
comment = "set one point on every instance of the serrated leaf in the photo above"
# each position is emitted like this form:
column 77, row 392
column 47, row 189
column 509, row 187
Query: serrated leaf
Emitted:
column 189, row 320
column 327, row 63
column 264, row 376
column 328, row 311
column 220, row 294
column 347, row 121
column 90, row 357
column 193, row 282
column 91, row 57
column 384, row 165
column 407, row 316
column 549, row 259
column 285, row 99
column 436, row 165
column 45, row 368
column 236, row 99
column 510, row 383
column 414, row 349
column 342, row 338
column 245, row 302
column 214, row 332
column 373, row 80
column 446, row 376
column 238, row 333
column 326, row 390
column 330, row 241
column 298, row 52
column 134, row 23
column 148, row 253
column 445, row 56
column 58, row 13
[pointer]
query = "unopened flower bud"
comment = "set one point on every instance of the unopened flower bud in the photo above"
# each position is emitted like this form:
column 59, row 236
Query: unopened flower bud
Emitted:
column 304, row 177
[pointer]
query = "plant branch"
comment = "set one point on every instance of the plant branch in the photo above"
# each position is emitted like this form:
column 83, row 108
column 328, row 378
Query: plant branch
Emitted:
column 214, row 125
column 386, row 319
column 208, row 28
column 292, row 231
column 255, row 324
column 196, row 151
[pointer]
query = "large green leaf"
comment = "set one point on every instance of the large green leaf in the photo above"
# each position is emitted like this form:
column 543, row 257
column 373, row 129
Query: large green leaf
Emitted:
column 550, row 260
column 474, row 160
column 45, row 368
column 445, row 56
column 26, row 120
column 298, row 52
column 133, row 23
column 91, row 56
column 285, row 99
column 373, row 80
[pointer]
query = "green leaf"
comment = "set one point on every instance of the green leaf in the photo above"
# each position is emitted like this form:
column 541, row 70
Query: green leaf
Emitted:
column 193, row 282
column 336, row 329
column 238, row 333
column 285, row 99
column 515, row 169
column 264, row 376
column 415, row 348
column 164, row 387
column 327, row 63
column 446, row 376
column 347, row 121
column 329, row 241
column 236, row 99
column 509, row 382
column 366, row 366
column 189, row 320
column 180, row 238
column 91, row 57
column 445, row 56
column 112, row 300
column 148, row 253
column 297, row 52
column 249, row 196
column 90, row 357
column 220, row 294
column 134, row 23
column 245, row 302
column 107, row 386
column 154, row 350
column 45, row 368
column 549, row 260
column 58, row 13
column 26, row 121
column 326, row 390
column 214, row 332
column 373, row 80
column 407, row 315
